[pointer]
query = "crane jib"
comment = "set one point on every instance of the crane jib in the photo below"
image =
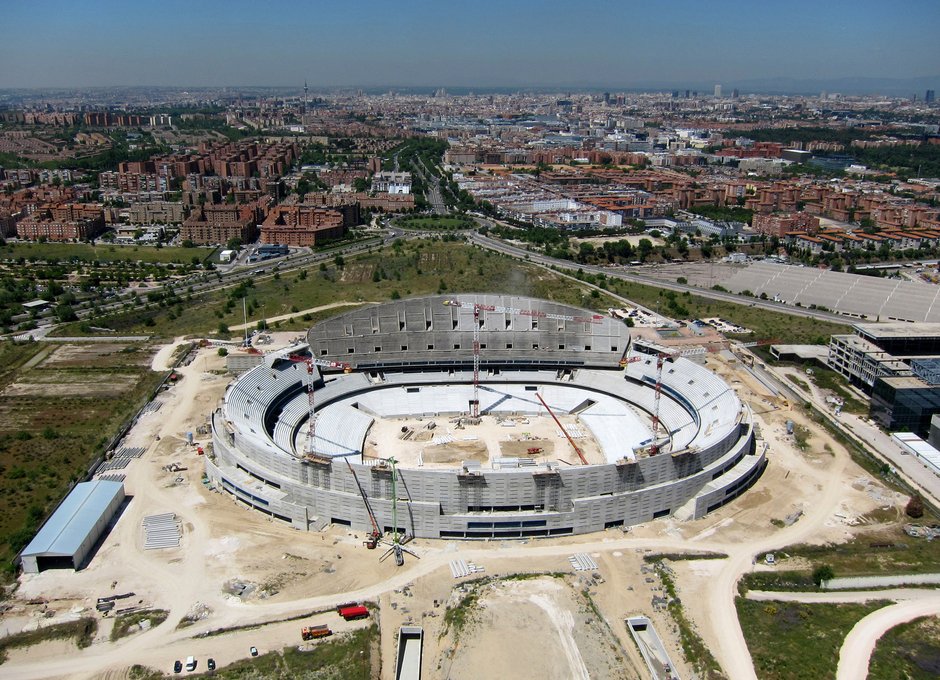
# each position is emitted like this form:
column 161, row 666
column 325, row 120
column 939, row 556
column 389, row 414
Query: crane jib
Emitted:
column 594, row 318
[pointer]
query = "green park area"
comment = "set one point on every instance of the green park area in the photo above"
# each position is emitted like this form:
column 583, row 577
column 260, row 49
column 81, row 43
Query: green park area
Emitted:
column 404, row 269
column 102, row 252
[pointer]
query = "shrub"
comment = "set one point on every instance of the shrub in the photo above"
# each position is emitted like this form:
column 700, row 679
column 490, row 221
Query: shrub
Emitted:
column 915, row 507
column 822, row 573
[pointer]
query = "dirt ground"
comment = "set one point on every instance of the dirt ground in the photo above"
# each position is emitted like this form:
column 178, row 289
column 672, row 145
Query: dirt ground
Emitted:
column 818, row 495
column 572, row 642
column 448, row 444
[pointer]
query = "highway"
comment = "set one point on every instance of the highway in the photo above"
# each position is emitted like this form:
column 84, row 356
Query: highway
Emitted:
column 624, row 274
column 434, row 189
column 223, row 277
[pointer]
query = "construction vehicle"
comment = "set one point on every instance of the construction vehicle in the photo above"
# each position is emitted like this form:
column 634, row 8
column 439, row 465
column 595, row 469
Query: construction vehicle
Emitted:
column 533, row 450
column 312, row 632
column 351, row 613
column 372, row 540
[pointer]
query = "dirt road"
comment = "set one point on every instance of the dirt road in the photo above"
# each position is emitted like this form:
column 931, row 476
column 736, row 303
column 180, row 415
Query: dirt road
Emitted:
column 222, row 541
column 860, row 642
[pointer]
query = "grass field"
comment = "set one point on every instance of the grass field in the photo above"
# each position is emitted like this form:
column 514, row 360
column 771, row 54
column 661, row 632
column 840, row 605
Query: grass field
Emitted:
column 872, row 554
column 796, row 641
column 827, row 379
column 128, row 624
column 103, row 252
column 910, row 651
column 59, row 404
column 420, row 267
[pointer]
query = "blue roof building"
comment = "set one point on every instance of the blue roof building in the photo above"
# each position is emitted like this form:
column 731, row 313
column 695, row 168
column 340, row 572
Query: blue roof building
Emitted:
column 68, row 536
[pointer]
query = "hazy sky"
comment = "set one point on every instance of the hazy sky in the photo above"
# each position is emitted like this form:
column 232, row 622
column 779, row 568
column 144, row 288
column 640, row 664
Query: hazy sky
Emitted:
column 474, row 43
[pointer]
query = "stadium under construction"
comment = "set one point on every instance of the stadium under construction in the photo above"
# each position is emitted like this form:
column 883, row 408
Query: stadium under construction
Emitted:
column 480, row 416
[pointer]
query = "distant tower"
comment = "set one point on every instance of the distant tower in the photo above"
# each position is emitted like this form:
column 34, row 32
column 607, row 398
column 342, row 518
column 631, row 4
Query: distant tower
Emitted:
column 717, row 91
column 607, row 98
column 303, row 107
column 929, row 96
column 735, row 94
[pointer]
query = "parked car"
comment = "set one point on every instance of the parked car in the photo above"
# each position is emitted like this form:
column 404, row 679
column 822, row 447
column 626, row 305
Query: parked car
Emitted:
column 210, row 664
column 253, row 651
column 177, row 666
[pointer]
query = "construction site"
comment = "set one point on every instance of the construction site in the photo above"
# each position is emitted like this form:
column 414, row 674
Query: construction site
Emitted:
column 535, row 421
column 257, row 510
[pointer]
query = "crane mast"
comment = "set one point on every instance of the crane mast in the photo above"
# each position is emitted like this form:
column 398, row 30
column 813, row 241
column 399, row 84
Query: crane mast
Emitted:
column 478, row 308
column 475, row 404
column 657, row 394
column 310, row 449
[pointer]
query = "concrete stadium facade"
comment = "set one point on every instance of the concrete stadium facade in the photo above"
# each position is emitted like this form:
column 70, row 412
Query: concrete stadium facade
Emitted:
column 418, row 354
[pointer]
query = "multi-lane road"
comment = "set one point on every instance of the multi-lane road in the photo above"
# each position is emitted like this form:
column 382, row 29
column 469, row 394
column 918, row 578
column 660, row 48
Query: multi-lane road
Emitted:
column 627, row 274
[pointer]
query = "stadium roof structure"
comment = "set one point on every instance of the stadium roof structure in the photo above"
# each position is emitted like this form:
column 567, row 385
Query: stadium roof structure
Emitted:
column 863, row 297
column 75, row 519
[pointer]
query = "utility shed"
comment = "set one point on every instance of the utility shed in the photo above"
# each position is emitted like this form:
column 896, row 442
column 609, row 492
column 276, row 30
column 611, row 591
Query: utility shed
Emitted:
column 67, row 537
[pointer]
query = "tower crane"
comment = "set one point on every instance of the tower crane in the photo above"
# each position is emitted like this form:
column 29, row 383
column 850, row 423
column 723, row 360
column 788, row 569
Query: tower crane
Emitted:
column 311, row 362
column 397, row 546
column 658, row 392
column 478, row 308
column 661, row 357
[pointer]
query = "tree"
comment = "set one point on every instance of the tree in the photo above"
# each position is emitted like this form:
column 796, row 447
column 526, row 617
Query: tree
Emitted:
column 223, row 329
column 234, row 243
column 223, row 352
column 65, row 313
column 915, row 507
column 822, row 573
column 188, row 244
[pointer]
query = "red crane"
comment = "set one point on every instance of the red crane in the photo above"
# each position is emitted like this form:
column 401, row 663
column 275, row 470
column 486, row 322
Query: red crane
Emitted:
column 576, row 448
column 660, row 360
column 657, row 394
column 478, row 322
column 311, row 362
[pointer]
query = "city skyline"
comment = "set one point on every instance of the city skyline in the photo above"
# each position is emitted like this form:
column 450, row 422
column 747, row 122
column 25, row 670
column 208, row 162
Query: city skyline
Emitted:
column 523, row 44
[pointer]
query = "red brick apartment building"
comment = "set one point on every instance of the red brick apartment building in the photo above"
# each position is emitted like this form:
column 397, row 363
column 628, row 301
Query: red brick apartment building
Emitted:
column 302, row 225
column 62, row 222
column 221, row 223
column 778, row 225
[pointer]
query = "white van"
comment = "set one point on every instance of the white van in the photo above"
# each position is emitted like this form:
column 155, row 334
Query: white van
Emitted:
column 190, row 663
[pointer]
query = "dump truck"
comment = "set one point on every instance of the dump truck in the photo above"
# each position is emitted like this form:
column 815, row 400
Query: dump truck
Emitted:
column 354, row 612
column 312, row 632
